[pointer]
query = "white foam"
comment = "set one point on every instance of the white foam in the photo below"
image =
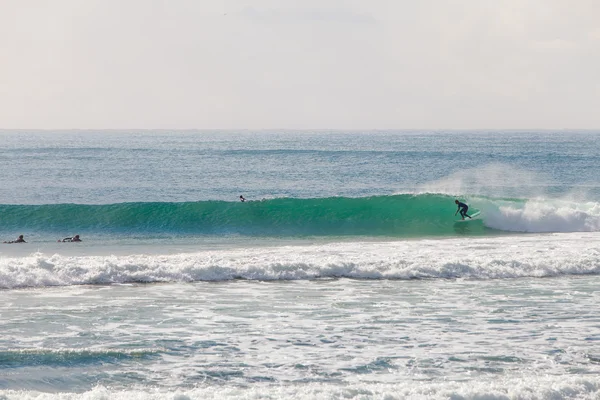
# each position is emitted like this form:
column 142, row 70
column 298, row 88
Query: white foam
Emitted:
column 526, row 387
column 482, row 258
column 541, row 215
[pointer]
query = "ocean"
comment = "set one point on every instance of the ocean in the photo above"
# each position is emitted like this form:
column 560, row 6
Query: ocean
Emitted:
column 344, row 275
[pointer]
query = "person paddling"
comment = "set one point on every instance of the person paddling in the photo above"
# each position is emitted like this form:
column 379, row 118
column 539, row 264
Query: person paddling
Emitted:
column 20, row 239
column 71, row 239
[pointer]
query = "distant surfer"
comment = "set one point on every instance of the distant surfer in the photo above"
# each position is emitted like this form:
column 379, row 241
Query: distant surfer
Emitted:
column 72, row 239
column 18, row 240
column 242, row 199
column 462, row 207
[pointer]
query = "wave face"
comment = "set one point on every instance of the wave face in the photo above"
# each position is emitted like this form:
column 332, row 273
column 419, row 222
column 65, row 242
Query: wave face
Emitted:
column 403, row 215
column 399, row 215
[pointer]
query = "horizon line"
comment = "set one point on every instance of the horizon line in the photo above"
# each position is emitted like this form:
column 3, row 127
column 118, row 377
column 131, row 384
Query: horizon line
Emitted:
column 305, row 129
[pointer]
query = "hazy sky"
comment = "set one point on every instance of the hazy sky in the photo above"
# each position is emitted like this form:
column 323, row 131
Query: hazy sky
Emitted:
column 301, row 64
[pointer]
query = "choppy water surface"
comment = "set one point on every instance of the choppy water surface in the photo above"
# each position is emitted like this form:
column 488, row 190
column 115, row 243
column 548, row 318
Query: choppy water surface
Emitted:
column 388, row 337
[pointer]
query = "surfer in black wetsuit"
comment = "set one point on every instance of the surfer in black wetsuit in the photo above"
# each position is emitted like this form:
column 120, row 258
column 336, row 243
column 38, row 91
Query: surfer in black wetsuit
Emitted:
column 242, row 199
column 18, row 240
column 462, row 207
column 72, row 239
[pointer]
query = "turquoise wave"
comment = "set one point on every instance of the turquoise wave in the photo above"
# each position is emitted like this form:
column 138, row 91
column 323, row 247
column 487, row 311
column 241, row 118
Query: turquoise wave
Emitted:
column 397, row 215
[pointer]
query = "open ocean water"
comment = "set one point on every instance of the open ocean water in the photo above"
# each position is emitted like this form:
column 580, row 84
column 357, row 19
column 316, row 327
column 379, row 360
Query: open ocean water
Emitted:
column 345, row 275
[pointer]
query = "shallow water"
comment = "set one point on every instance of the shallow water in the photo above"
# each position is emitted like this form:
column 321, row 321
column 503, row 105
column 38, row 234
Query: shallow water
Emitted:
column 384, row 334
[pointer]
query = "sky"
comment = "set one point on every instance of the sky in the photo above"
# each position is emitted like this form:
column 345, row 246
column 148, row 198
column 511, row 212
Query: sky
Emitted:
column 299, row 64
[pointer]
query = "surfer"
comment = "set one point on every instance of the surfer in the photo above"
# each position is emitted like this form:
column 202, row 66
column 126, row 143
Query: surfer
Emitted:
column 18, row 240
column 242, row 199
column 72, row 239
column 462, row 207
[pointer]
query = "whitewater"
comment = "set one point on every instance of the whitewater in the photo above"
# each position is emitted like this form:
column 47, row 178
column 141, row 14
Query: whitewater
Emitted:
column 495, row 258
column 346, row 274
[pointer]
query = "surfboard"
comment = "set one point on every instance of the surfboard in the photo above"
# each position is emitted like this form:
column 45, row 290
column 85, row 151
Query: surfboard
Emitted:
column 473, row 217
